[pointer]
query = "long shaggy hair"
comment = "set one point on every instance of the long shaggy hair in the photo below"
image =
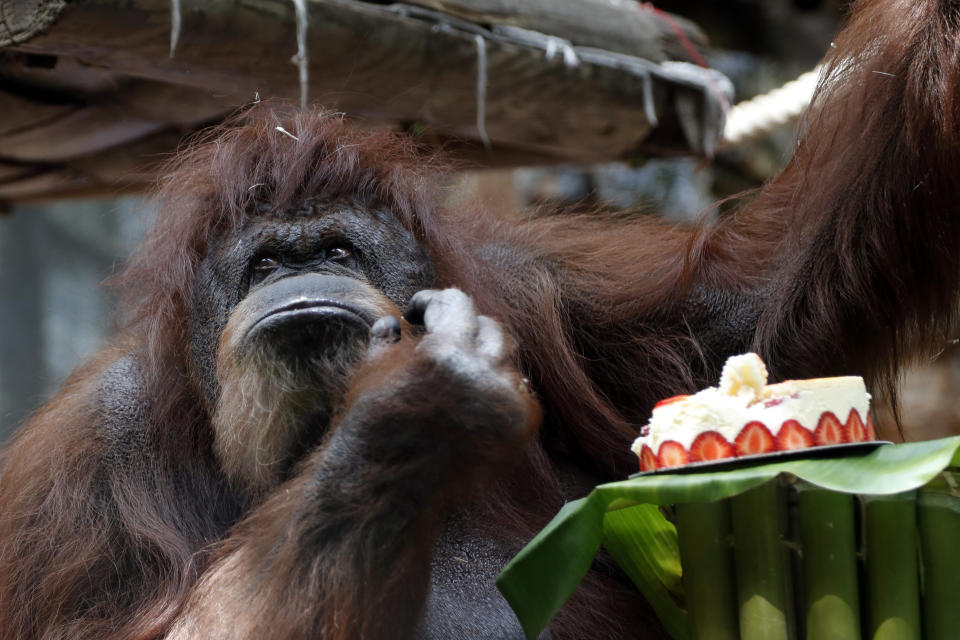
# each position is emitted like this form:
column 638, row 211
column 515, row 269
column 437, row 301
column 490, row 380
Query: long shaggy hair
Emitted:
column 848, row 262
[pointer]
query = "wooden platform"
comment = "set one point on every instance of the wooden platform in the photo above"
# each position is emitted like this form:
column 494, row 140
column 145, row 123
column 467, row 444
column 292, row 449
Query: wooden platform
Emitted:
column 92, row 97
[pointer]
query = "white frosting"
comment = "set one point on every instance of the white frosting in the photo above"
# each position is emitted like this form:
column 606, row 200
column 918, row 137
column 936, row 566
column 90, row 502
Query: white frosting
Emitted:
column 743, row 396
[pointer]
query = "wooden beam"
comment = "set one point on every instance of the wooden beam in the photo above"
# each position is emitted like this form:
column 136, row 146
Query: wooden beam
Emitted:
column 377, row 61
column 543, row 98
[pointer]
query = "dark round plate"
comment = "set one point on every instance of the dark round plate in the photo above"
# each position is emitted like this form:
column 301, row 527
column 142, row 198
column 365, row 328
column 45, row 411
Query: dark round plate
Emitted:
column 823, row 451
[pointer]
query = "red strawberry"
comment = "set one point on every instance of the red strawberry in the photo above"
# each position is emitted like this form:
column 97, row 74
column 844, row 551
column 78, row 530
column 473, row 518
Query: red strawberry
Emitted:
column 672, row 454
column 669, row 400
column 710, row 445
column 856, row 428
column 830, row 430
column 871, row 432
column 754, row 438
column 648, row 461
column 793, row 435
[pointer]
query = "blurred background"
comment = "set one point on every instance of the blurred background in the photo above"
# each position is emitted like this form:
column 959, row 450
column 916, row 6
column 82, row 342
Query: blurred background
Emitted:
column 53, row 260
column 65, row 228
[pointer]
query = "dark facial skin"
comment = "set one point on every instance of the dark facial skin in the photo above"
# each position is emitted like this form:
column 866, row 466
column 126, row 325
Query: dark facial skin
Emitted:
column 283, row 309
column 349, row 241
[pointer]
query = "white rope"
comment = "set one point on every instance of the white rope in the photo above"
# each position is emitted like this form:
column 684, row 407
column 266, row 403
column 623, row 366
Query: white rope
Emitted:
column 764, row 113
column 301, row 58
column 482, row 90
column 175, row 23
column 554, row 45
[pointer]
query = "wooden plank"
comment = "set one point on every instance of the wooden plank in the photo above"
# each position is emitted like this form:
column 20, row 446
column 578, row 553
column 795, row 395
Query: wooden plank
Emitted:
column 76, row 133
column 624, row 26
column 20, row 113
column 99, row 99
column 369, row 60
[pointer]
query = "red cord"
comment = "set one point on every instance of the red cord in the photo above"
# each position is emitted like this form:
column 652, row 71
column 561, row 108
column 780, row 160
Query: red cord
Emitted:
column 678, row 30
column 688, row 47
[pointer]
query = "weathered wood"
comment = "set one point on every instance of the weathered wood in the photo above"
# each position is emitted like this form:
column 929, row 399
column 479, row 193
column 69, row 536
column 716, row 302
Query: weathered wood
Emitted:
column 624, row 26
column 77, row 133
column 20, row 20
column 408, row 69
column 545, row 100
column 20, row 113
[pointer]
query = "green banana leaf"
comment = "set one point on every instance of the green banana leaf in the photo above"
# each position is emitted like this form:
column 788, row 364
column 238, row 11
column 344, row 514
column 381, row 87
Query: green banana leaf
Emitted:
column 624, row 518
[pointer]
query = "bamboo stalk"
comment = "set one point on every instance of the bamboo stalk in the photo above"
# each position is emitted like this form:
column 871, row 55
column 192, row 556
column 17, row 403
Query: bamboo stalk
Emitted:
column 938, row 513
column 707, row 561
column 893, row 589
column 762, row 571
column 829, row 565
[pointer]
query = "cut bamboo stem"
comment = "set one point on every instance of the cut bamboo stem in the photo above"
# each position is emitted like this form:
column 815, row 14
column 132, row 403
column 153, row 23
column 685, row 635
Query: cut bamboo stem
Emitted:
column 893, row 589
column 762, row 571
column 829, row 565
column 705, row 554
column 938, row 514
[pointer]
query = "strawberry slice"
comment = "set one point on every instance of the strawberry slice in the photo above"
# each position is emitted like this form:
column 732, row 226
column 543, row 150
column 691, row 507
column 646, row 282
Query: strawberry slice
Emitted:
column 754, row 438
column 672, row 454
column 710, row 445
column 793, row 435
column 871, row 432
column 856, row 428
column 669, row 400
column 830, row 430
column 648, row 460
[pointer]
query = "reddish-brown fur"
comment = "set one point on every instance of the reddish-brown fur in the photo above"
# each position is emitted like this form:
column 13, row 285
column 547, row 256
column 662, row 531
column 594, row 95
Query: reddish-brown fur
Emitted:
column 866, row 277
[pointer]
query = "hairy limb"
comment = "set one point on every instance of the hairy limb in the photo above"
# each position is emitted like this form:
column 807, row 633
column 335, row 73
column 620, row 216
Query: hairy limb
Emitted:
column 862, row 230
column 100, row 527
column 343, row 549
column 846, row 263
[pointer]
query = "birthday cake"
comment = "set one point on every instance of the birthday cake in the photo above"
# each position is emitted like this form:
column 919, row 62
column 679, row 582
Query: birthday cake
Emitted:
column 745, row 416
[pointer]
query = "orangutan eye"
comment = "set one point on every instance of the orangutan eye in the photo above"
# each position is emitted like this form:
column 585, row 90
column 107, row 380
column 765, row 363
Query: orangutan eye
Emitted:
column 338, row 253
column 263, row 267
column 266, row 263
